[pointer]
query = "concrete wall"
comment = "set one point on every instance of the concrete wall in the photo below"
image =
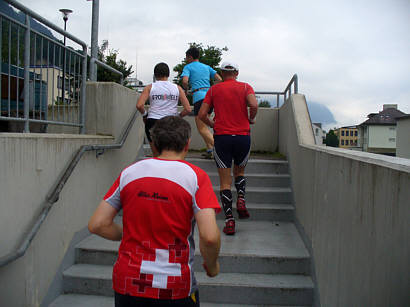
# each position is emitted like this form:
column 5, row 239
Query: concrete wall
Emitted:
column 30, row 164
column 264, row 133
column 403, row 138
column 354, row 210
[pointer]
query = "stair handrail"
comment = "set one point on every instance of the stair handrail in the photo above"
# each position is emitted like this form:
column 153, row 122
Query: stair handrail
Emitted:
column 53, row 195
column 286, row 93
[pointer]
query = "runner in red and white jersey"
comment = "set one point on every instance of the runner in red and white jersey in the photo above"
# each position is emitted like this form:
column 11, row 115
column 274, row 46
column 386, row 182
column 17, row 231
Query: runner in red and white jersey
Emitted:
column 162, row 198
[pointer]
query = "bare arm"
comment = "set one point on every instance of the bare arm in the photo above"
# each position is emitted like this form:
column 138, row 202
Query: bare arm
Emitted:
column 185, row 103
column 185, row 82
column 143, row 98
column 217, row 78
column 209, row 240
column 253, row 107
column 102, row 222
column 203, row 115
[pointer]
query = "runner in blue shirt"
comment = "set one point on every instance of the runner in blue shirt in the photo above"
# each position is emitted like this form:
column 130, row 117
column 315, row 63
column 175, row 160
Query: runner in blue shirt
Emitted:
column 198, row 75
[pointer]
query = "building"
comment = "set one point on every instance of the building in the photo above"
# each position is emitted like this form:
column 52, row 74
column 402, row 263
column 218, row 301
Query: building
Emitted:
column 403, row 137
column 347, row 136
column 319, row 133
column 378, row 133
column 135, row 84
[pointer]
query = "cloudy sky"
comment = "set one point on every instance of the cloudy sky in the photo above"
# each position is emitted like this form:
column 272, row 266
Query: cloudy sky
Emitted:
column 351, row 56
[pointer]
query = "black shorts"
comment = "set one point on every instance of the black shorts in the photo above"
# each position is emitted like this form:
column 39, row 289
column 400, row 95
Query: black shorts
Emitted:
column 134, row 301
column 197, row 106
column 148, row 125
column 231, row 147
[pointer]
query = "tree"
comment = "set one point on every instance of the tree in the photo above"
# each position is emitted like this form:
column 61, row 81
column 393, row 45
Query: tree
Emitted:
column 109, row 56
column 331, row 139
column 210, row 55
column 264, row 104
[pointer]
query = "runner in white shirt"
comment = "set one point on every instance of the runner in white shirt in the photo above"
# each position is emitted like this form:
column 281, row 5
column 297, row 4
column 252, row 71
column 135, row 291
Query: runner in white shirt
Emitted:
column 163, row 97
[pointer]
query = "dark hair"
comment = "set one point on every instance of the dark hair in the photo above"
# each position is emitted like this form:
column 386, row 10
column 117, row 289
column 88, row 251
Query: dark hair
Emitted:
column 170, row 133
column 193, row 52
column 161, row 70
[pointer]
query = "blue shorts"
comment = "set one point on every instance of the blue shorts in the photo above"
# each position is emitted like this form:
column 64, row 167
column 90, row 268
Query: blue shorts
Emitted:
column 231, row 147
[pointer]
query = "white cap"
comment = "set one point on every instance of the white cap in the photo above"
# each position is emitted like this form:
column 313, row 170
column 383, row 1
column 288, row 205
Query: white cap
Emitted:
column 229, row 66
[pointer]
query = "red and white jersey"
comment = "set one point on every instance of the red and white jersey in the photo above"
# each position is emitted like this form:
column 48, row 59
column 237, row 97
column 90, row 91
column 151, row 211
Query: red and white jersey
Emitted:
column 159, row 199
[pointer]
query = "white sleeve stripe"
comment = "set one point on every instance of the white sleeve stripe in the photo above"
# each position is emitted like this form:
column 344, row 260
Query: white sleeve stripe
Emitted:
column 179, row 173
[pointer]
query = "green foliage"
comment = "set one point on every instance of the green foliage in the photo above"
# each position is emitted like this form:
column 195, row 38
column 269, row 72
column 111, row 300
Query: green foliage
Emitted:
column 111, row 59
column 331, row 139
column 210, row 55
column 264, row 104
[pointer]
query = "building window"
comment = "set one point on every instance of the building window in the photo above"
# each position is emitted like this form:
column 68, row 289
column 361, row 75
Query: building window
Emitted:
column 343, row 142
column 355, row 133
column 343, row 133
column 351, row 142
column 392, row 139
column 351, row 132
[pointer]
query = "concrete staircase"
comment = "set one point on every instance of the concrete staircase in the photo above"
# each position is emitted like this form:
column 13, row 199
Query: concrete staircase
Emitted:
column 264, row 264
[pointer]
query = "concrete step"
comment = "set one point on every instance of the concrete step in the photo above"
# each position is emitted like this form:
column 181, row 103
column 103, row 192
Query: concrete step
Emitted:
column 266, row 212
column 257, row 166
column 272, row 195
column 257, row 247
column 243, row 288
column 259, row 289
column 75, row 300
column 258, row 180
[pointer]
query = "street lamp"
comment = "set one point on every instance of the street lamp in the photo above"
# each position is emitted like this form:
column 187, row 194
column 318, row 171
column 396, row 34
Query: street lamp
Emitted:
column 65, row 13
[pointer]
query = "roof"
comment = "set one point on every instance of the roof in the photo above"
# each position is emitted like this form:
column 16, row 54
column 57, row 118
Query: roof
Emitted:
column 386, row 117
column 403, row 117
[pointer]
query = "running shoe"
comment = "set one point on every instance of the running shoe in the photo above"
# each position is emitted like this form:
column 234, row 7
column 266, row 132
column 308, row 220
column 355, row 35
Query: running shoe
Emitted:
column 241, row 208
column 229, row 228
column 208, row 155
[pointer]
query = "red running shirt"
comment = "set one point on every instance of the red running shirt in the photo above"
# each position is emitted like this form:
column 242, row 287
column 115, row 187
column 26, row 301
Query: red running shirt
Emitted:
column 228, row 99
column 159, row 199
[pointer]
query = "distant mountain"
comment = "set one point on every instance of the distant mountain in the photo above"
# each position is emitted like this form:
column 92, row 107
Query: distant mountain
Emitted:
column 6, row 9
column 320, row 113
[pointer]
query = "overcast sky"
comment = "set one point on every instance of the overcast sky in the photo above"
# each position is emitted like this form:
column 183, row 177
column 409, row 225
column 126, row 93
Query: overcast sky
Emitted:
column 352, row 56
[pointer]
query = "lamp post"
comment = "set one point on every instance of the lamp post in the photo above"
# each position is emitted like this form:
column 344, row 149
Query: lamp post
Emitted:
column 65, row 13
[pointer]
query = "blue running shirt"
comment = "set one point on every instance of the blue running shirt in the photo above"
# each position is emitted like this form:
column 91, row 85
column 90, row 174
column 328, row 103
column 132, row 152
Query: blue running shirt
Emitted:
column 199, row 75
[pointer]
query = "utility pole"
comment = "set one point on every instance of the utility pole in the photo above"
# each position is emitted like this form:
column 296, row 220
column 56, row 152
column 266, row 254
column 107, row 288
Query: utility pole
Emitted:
column 65, row 13
column 94, row 39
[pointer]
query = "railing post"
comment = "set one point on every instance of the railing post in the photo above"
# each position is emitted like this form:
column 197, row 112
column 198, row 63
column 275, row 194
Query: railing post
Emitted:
column 26, row 75
column 83, row 91
column 94, row 40
column 295, row 77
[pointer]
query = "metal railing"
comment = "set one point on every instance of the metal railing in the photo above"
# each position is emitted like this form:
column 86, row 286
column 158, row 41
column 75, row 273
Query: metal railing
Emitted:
column 286, row 93
column 53, row 195
column 42, row 80
column 108, row 67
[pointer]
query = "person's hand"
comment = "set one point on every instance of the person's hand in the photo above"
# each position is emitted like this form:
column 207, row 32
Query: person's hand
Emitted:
column 251, row 121
column 212, row 271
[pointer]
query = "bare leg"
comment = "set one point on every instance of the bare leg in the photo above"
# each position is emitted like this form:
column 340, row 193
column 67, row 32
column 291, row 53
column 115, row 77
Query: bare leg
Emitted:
column 205, row 133
column 238, row 171
column 225, row 178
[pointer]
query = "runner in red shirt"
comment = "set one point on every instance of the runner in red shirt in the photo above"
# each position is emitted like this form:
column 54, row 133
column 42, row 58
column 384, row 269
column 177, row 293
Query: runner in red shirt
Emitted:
column 230, row 100
column 161, row 199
